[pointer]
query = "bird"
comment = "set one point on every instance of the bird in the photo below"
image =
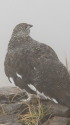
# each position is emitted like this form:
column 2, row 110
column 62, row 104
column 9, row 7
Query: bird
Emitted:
column 35, row 67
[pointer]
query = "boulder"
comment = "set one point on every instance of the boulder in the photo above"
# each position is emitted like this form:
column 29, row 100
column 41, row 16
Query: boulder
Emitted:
column 12, row 107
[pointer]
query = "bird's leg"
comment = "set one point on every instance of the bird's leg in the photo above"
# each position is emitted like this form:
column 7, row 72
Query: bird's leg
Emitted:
column 28, row 98
column 32, row 98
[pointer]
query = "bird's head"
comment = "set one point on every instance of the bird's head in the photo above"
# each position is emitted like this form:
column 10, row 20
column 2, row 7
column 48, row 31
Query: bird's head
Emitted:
column 22, row 30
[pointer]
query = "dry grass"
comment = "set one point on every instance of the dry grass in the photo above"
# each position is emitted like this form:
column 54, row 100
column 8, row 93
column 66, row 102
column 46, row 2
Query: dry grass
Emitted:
column 35, row 114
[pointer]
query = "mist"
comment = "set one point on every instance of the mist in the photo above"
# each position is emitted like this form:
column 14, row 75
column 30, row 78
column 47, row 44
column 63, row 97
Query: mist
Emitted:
column 51, row 25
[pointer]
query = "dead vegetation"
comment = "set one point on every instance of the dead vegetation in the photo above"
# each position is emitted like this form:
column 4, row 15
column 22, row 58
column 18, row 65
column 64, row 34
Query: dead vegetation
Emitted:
column 34, row 114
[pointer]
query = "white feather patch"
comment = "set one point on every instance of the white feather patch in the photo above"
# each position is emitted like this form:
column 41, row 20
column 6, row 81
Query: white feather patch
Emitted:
column 42, row 95
column 11, row 79
column 32, row 87
column 28, row 99
column 34, row 68
column 54, row 100
column 19, row 75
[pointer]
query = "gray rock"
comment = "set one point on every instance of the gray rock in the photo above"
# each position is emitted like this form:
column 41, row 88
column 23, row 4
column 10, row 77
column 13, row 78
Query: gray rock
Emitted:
column 9, row 112
column 57, row 109
column 14, row 123
column 12, row 94
column 7, row 119
column 13, row 108
column 10, row 108
column 58, row 121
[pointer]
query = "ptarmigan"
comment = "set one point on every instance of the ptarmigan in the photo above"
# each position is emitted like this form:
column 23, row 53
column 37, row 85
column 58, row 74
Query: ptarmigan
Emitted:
column 35, row 67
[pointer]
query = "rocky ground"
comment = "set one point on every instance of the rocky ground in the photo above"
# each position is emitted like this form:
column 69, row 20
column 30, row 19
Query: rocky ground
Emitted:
column 12, row 109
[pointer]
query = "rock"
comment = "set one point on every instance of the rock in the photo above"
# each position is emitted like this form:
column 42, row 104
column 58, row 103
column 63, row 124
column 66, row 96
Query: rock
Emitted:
column 57, row 109
column 11, row 107
column 8, row 119
column 58, row 121
column 11, row 94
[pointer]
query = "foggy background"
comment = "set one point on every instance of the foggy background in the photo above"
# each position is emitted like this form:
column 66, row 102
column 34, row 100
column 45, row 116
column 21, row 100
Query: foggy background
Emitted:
column 51, row 20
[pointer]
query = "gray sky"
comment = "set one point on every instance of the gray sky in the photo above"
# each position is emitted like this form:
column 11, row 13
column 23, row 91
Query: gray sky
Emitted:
column 51, row 20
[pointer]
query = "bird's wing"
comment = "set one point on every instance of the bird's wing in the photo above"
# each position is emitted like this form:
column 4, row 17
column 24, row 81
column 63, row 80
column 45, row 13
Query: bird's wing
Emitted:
column 48, row 52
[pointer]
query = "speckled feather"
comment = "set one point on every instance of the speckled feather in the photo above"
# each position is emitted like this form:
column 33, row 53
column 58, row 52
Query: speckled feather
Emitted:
column 37, row 64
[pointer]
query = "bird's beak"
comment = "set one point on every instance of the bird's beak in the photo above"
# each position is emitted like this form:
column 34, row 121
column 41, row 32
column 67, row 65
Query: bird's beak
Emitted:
column 31, row 26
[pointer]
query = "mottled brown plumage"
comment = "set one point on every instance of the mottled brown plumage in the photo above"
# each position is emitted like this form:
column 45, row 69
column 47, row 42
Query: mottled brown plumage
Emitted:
column 29, row 62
